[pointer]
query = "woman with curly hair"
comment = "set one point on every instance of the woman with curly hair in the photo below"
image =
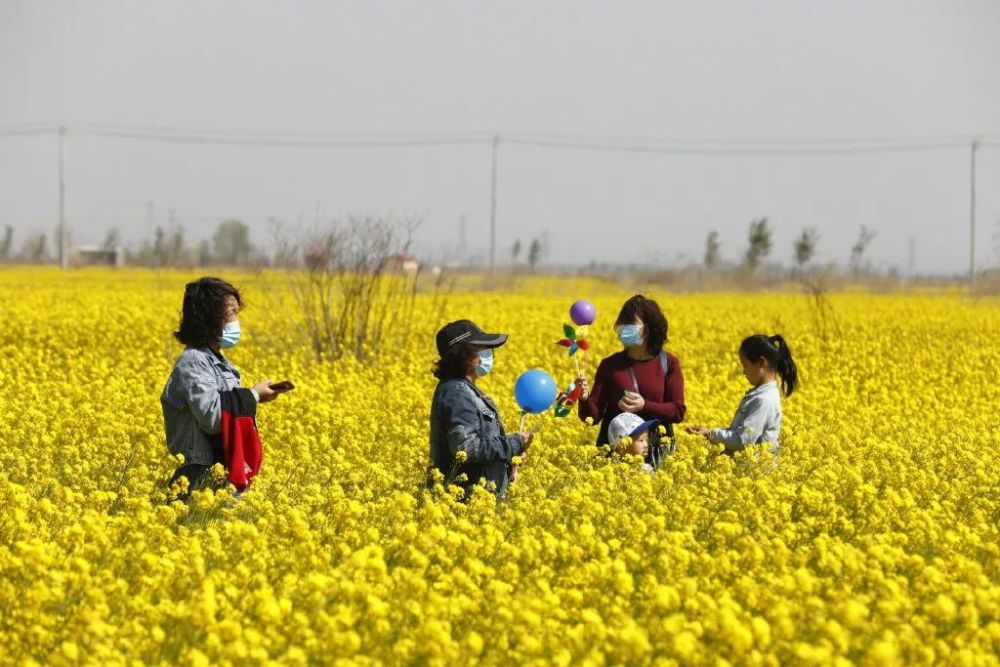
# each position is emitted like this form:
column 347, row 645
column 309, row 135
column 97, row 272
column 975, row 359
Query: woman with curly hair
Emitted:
column 643, row 378
column 193, row 396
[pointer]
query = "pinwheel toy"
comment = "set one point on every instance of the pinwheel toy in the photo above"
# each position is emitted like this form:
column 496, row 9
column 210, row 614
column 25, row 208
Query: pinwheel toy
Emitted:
column 574, row 342
column 574, row 339
column 567, row 399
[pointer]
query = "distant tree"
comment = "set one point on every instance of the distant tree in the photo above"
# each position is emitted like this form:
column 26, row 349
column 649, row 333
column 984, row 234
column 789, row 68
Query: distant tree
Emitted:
column 112, row 240
column 231, row 243
column 534, row 253
column 36, row 249
column 160, row 247
column 7, row 243
column 515, row 251
column 759, row 243
column 176, row 250
column 805, row 247
column 865, row 238
column 712, row 248
column 204, row 253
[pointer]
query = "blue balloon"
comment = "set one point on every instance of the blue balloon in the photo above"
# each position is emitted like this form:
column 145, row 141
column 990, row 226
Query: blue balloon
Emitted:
column 535, row 391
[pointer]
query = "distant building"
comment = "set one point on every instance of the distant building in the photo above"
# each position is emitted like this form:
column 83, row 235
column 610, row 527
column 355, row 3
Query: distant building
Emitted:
column 98, row 256
column 402, row 263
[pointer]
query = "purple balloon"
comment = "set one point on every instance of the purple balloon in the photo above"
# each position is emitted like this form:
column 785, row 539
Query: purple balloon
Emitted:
column 582, row 313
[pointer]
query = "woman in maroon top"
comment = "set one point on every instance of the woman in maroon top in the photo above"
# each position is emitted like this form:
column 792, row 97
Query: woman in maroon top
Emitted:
column 643, row 378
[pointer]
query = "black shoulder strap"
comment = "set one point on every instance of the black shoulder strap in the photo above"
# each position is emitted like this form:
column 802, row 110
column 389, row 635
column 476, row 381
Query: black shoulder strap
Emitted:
column 665, row 365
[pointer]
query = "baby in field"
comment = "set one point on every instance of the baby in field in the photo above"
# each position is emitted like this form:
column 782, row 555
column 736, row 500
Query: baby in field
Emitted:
column 628, row 434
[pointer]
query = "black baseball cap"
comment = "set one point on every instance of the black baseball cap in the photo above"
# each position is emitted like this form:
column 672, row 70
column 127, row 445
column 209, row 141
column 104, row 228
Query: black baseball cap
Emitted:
column 466, row 331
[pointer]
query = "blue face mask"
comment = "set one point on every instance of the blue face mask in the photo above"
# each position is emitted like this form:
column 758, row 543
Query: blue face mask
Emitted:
column 230, row 335
column 485, row 364
column 630, row 334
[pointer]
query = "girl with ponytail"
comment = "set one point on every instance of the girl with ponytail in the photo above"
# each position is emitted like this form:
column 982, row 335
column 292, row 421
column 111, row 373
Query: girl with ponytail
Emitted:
column 765, row 361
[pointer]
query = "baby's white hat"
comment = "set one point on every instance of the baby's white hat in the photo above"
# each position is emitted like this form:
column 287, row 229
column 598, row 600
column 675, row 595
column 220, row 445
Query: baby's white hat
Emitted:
column 627, row 424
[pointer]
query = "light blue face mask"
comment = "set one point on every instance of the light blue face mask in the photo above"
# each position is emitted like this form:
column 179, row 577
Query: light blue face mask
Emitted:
column 630, row 334
column 230, row 335
column 485, row 364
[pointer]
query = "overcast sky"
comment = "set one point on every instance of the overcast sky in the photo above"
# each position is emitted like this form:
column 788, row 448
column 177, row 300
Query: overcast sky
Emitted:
column 730, row 71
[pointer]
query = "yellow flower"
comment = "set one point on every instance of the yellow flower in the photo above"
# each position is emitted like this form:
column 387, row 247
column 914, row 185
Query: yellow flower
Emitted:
column 867, row 539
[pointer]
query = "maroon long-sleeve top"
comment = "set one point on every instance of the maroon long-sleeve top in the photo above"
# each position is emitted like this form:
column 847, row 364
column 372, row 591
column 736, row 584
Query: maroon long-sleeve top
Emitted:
column 664, row 396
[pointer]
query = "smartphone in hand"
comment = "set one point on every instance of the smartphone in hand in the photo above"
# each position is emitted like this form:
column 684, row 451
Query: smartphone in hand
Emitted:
column 281, row 387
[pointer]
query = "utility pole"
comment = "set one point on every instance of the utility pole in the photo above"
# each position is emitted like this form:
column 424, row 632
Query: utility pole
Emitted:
column 972, row 217
column 149, row 216
column 493, row 209
column 913, row 257
column 996, row 241
column 63, row 258
column 461, row 239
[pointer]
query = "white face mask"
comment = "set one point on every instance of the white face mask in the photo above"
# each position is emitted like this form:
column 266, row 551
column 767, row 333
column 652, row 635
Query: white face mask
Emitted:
column 630, row 334
column 485, row 363
column 230, row 335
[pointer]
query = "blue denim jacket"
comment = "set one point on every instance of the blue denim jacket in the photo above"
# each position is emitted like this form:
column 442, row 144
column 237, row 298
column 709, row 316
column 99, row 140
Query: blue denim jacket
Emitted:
column 465, row 419
column 192, row 406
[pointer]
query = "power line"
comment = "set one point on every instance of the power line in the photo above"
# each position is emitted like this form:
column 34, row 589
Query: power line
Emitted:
column 598, row 146
column 717, row 141
column 675, row 146
column 27, row 130
column 275, row 134
column 289, row 142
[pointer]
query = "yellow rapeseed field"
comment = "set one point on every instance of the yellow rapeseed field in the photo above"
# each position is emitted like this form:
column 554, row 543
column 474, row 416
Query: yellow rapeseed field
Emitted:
column 874, row 539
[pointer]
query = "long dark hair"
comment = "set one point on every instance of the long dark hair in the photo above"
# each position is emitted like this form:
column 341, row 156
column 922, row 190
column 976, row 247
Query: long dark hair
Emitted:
column 778, row 355
column 455, row 363
column 203, row 314
column 655, row 323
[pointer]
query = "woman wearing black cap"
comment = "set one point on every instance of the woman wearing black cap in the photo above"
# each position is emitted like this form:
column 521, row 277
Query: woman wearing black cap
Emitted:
column 468, row 440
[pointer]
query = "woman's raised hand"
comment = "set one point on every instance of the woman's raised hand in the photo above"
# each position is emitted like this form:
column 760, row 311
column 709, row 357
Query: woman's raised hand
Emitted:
column 264, row 391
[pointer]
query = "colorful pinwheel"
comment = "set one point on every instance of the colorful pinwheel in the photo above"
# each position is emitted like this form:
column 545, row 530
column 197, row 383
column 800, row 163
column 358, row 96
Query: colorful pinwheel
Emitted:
column 574, row 339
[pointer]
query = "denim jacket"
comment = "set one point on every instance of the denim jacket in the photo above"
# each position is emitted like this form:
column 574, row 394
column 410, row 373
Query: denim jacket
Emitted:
column 757, row 420
column 465, row 419
column 192, row 406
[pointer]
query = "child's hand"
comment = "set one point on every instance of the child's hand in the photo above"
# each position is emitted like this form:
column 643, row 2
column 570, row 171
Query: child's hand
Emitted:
column 697, row 430
column 581, row 379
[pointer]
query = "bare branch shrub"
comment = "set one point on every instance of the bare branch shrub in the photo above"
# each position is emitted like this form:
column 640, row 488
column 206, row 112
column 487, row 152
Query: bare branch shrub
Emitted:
column 817, row 285
column 353, row 282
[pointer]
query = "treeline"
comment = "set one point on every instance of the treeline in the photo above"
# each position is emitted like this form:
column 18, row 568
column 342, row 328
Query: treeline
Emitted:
column 803, row 249
column 34, row 249
column 230, row 245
